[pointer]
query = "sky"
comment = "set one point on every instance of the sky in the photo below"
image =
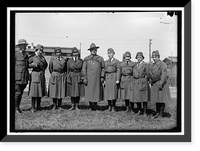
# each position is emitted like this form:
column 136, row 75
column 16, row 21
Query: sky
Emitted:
column 122, row 31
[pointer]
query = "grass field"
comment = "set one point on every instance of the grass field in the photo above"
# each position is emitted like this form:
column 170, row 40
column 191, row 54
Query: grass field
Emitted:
column 91, row 120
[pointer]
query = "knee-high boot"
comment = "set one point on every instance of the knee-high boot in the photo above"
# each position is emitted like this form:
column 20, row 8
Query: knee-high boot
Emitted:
column 109, row 106
column 33, row 99
column 77, row 99
column 54, row 104
column 73, row 104
column 113, row 102
column 145, row 108
column 127, row 105
column 138, row 108
column 38, row 103
column 162, row 108
column 59, row 103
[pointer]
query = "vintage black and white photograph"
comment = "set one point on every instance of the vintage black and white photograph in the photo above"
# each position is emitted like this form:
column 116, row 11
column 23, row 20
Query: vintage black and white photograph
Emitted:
column 83, row 71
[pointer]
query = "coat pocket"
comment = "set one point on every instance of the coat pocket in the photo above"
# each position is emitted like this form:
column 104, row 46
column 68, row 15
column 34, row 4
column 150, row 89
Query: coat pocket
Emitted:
column 35, row 77
column 52, row 79
column 143, row 84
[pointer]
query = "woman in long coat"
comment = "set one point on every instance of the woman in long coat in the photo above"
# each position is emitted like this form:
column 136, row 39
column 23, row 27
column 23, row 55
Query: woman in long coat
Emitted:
column 57, row 81
column 74, row 82
column 126, row 77
column 111, row 81
column 140, row 86
column 37, row 88
column 159, row 86
column 93, row 76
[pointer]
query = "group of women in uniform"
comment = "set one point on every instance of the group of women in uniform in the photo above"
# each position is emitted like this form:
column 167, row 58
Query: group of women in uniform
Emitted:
column 95, row 79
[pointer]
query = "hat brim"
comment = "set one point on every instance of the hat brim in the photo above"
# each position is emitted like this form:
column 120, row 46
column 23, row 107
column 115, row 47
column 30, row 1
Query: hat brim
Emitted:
column 93, row 48
column 22, row 44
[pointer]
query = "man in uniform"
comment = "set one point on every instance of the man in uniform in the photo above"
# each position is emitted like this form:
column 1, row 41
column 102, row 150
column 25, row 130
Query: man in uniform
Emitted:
column 93, row 76
column 21, row 72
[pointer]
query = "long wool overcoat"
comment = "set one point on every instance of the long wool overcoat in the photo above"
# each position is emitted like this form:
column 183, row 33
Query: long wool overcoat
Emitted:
column 21, row 67
column 126, row 74
column 111, row 70
column 140, row 87
column 158, row 76
column 37, row 86
column 57, row 81
column 93, row 70
column 75, row 88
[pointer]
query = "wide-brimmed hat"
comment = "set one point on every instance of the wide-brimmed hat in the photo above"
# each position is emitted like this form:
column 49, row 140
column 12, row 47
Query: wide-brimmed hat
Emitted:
column 57, row 50
column 93, row 46
column 38, row 47
column 156, row 53
column 22, row 42
column 110, row 50
column 75, row 52
column 139, row 54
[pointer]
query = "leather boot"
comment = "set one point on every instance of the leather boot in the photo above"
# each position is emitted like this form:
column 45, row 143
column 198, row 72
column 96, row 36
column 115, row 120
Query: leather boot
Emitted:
column 73, row 104
column 95, row 106
column 59, row 104
column 113, row 103
column 17, row 108
column 54, row 104
column 127, row 106
column 90, row 106
column 77, row 103
column 132, row 106
column 138, row 108
column 157, row 110
column 38, row 104
column 33, row 109
column 109, row 106
column 145, row 109
column 162, row 108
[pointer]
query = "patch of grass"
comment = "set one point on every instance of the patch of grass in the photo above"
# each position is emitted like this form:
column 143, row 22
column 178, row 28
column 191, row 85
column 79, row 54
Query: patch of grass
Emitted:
column 90, row 120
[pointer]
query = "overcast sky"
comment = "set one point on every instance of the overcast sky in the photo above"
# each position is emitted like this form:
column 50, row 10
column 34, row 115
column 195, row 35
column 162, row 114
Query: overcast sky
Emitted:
column 122, row 31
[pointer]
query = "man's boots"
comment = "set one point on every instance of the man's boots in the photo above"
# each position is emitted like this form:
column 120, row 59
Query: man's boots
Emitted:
column 59, row 104
column 17, row 103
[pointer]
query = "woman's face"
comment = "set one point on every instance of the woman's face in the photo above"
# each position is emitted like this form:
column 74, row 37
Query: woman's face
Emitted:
column 39, row 51
column 110, row 55
column 127, row 58
column 139, row 58
column 155, row 58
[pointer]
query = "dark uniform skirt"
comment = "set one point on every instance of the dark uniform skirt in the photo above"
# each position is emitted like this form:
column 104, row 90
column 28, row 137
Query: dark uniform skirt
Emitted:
column 37, row 86
column 57, row 85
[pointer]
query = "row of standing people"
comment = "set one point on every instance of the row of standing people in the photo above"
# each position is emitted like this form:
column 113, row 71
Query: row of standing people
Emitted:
column 110, row 79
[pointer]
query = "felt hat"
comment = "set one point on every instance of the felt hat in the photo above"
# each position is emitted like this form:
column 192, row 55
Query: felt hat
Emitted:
column 75, row 52
column 93, row 46
column 38, row 47
column 127, row 54
column 156, row 53
column 22, row 42
column 57, row 50
column 110, row 50
column 139, row 54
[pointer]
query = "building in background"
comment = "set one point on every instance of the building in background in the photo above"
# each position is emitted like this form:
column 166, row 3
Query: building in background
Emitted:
column 171, row 62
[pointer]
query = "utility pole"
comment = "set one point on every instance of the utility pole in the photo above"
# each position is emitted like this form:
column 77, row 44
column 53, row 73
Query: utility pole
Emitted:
column 150, row 42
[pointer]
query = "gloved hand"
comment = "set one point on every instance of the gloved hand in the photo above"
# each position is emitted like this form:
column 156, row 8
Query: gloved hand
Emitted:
column 117, row 82
column 85, row 82
column 34, row 64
